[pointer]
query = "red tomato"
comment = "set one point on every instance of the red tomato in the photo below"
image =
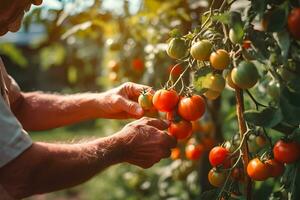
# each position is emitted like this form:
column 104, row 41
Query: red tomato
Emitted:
column 165, row 100
column 191, row 108
column 138, row 64
column 258, row 171
column 277, row 168
column 294, row 23
column 180, row 130
column 286, row 152
column 219, row 156
column 246, row 44
column 216, row 178
column 193, row 152
column 175, row 153
column 175, row 70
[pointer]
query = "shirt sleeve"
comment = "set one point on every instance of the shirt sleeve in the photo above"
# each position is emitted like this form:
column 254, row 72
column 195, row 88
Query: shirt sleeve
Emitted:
column 13, row 139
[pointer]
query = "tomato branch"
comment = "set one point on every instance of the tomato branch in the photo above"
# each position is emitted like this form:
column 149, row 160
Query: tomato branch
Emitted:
column 243, row 131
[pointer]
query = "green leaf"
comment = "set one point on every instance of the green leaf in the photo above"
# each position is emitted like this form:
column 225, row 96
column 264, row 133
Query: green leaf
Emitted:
column 175, row 33
column 290, row 106
column 268, row 117
column 14, row 54
column 223, row 18
column 277, row 19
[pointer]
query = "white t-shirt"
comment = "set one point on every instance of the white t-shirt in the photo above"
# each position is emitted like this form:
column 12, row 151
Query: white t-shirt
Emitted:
column 13, row 138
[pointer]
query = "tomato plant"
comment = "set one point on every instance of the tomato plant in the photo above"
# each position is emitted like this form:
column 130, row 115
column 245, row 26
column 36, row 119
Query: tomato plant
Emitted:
column 180, row 130
column 219, row 59
column 219, row 156
column 293, row 23
column 286, row 152
column 177, row 48
column 277, row 168
column 165, row 100
column 145, row 100
column 175, row 154
column 245, row 75
column 191, row 108
column 193, row 152
column 216, row 178
column 201, row 50
column 258, row 171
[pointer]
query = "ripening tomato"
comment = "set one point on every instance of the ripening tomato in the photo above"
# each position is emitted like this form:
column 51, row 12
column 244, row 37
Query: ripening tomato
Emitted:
column 286, row 152
column 229, row 81
column 193, row 152
column 211, row 95
column 245, row 75
column 219, row 59
column 201, row 50
column 219, row 156
column 175, row 70
column 216, row 178
column 294, row 23
column 257, row 170
column 214, row 82
column 165, row 100
column 175, row 153
column 191, row 108
column 138, row 65
column 261, row 141
column 113, row 65
column 277, row 168
column 180, row 130
column 177, row 48
column 145, row 100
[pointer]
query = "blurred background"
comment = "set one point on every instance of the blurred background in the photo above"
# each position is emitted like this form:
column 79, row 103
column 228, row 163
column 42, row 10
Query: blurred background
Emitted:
column 72, row 46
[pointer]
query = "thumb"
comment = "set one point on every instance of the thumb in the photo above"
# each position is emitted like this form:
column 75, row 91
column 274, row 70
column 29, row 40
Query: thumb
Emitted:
column 132, row 108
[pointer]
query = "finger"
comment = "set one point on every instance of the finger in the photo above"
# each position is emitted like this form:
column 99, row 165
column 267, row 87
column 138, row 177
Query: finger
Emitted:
column 157, row 123
column 134, row 90
column 132, row 108
column 170, row 141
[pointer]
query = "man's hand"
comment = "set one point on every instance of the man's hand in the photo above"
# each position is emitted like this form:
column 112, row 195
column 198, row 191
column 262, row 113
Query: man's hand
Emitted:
column 145, row 142
column 121, row 102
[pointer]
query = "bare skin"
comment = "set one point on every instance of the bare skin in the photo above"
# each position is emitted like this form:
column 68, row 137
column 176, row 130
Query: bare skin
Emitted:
column 48, row 167
column 40, row 111
column 45, row 167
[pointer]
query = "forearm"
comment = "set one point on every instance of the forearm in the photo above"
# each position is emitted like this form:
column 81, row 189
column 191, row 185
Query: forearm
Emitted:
column 40, row 111
column 49, row 167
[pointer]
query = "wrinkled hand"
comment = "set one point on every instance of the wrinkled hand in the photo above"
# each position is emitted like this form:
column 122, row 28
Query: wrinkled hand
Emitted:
column 121, row 102
column 145, row 143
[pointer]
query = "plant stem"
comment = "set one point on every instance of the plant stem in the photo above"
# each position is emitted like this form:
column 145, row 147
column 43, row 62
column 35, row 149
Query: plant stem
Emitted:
column 243, row 130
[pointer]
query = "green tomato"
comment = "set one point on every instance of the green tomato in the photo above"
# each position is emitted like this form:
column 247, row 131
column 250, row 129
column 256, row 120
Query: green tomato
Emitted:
column 201, row 50
column 177, row 48
column 245, row 75
column 274, row 89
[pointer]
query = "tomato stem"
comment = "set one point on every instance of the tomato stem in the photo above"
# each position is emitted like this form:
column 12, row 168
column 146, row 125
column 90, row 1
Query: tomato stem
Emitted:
column 243, row 131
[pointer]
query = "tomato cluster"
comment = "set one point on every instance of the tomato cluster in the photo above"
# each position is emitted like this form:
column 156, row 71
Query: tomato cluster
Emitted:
column 284, row 153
